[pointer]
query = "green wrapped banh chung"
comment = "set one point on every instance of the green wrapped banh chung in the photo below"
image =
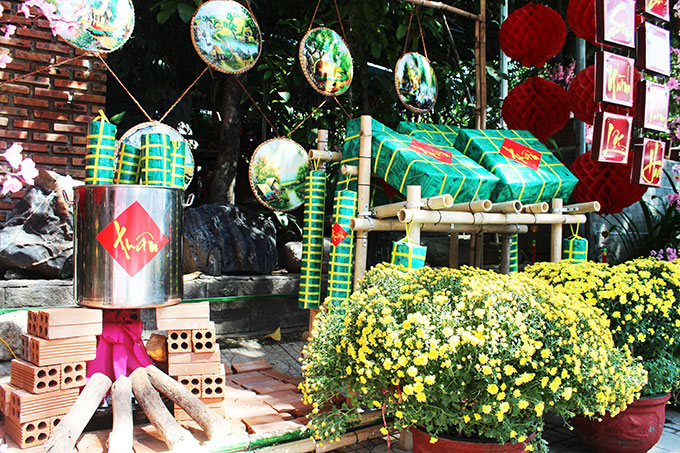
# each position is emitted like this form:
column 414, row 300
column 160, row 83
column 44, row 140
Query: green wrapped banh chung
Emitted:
column 528, row 171
column 401, row 161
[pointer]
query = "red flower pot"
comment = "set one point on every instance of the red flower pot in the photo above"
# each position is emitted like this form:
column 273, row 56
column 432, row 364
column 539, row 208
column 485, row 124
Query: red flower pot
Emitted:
column 421, row 444
column 637, row 429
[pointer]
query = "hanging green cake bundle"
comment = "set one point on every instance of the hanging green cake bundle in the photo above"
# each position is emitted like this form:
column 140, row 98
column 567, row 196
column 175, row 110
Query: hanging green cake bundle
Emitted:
column 408, row 254
column 312, row 241
column 575, row 247
column 101, row 144
column 342, row 248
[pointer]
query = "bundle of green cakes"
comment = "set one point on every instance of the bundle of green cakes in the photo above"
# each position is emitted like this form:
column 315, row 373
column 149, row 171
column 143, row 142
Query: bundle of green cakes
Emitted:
column 401, row 160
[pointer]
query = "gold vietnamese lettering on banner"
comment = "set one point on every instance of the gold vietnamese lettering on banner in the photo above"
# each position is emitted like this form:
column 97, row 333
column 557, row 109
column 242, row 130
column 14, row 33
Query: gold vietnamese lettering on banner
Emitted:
column 659, row 9
column 521, row 153
column 611, row 138
column 648, row 162
column 614, row 78
column 652, row 106
column 431, row 151
column 615, row 22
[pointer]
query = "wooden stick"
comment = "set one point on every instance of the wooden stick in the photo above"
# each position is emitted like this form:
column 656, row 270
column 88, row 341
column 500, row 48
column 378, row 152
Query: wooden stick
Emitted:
column 556, row 233
column 213, row 425
column 508, row 207
column 413, row 202
column 175, row 437
column 479, row 250
column 482, row 57
column 351, row 170
column 505, row 253
column 453, row 250
column 66, row 434
column 406, row 439
column 325, row 156
column 538, row 208
column 432, row 203
column 473, row 206
column 435, row 217
column 593, row 206
column 363, row 196
column 444, row 7
column 357, row 224
column 121, row 438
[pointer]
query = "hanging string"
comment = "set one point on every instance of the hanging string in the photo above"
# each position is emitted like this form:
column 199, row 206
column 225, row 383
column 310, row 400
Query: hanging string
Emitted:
column 125, row 88
column 422, row 36
column 337, row 10
column 249, row 8
column 349, row 117
column 306, row 118
column 408, row 30
column 183, row 94
column 46, row 68
column 314, row 16
column 258, row 107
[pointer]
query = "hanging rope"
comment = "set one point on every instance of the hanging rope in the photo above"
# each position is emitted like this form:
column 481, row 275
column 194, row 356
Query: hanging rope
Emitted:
column 306, row 118
column 249, row 8
column 46, row 68
column 184, row 93
column 125, row 88
column 422, row 36
column 408, row 30
column 337, row 10
column 313, row 16
column 349, row 117
column 258, row 107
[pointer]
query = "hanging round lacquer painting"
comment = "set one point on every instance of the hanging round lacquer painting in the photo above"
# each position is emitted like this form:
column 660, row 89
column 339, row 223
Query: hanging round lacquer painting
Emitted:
column 226, row 36
column 134, row 137
column 415, row 82
column 277, row 173
column 326, row 61
column 95, row 25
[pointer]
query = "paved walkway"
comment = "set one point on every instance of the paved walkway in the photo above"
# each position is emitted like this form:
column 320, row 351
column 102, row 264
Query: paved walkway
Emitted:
column 284, row 356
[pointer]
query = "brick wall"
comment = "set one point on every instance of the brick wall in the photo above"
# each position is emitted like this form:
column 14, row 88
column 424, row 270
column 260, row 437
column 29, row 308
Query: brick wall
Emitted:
column 46, row 112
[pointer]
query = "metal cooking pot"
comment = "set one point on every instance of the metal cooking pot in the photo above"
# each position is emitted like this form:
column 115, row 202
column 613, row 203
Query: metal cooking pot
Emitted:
column 127, row 246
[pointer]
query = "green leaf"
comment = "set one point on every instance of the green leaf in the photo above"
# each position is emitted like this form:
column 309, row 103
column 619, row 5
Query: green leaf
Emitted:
column 401, row 31
column 115, row 119
column 165, row 12
column 185, row 11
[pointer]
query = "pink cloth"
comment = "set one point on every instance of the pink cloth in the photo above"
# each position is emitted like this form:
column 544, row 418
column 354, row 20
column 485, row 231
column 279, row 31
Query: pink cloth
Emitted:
column 120, row 349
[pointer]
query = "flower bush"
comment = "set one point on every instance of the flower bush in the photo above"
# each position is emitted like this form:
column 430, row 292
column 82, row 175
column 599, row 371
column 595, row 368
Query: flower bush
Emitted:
column 466, row 352
column 640, row 297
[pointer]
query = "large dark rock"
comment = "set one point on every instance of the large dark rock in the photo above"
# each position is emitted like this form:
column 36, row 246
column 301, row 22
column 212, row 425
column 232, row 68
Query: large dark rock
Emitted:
column 223, row 239
column 38, row 234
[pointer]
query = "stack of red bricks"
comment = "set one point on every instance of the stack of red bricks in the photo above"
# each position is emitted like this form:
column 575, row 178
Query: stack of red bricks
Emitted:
column 46, row 381
column 264, row 399
column 193, row 353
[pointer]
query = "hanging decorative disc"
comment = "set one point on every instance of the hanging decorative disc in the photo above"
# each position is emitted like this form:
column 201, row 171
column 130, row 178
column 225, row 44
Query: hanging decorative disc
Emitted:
column 95, row 25
column 416, row 82
column 134, row 137
column 326, row 61
column 226, row 36
column 277, row 173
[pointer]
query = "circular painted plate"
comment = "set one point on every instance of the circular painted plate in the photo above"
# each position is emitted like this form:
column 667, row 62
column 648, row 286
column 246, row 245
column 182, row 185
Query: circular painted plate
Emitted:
column 277, row 174
column 96, row 25
column 416, row 82
column 226, row 36
column 326, row 61
column 134, row 137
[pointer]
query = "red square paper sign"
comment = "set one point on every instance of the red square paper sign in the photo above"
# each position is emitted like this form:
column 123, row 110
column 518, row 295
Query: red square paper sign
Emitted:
column 611, row 137
column 521, row 153
column 338, row 234
column 132, row 239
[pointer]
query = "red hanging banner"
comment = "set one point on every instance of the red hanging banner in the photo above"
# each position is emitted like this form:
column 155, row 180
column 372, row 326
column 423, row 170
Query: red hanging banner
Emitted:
column 615, row 22
column 655, row 8
column 648, row 162
column 521, row 153
column 614, row 78
column 652, row 108
column 654, row 50
column 431, row 151
column 611, row 138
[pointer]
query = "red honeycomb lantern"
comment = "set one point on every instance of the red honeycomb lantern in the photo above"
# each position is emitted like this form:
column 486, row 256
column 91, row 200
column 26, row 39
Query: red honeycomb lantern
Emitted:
column 537, row 105
column 607, row 183
column 581, row 19
column 533, row 34
column 581, row 96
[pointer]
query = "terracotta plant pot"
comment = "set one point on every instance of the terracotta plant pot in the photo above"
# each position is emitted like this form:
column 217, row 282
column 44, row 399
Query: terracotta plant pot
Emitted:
column 421, row 444
column 637, row 429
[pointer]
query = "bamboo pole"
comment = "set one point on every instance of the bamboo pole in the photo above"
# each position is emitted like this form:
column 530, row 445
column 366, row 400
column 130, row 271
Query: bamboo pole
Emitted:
column 444, row 7
column 556, row 233
column 349, row 170
column 413, row 202
column 370, row 224
column 509, row 207
column 432, row 203
column 363, row 196
column 592, row 206
column 472, row 206
column 482, row 56
column 505, row 253
column 327, row 156
column 538, row 208
column 471, row 250
column 436, row 217
column 479, row 250
column 478, row 78
column 453, row 250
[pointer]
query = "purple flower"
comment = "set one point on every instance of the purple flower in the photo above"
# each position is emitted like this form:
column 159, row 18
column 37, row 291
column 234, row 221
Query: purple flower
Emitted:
column 4, row 60
column 13, row 155
column 11, row 184
column 673, row 83
column 673, row 199
column 28, row 171
column 10, row 30
column 671, row 254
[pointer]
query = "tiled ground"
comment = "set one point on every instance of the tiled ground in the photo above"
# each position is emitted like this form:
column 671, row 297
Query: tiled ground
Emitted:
column 284, row 355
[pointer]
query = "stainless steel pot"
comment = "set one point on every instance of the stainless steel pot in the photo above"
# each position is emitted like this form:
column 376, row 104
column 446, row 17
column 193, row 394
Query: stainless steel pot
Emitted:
column 127, row 246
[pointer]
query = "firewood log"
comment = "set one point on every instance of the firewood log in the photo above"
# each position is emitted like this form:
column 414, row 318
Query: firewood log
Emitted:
column 212, row 424
column 66, row 434
column 120, row 438
column 176, row 437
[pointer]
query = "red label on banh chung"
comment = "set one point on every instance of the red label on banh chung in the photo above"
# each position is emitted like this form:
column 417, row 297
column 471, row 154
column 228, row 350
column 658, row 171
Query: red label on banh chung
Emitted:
column 431, row 151
column 521, row 153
